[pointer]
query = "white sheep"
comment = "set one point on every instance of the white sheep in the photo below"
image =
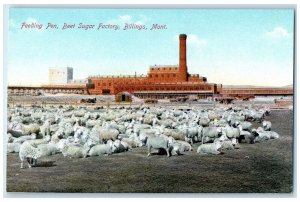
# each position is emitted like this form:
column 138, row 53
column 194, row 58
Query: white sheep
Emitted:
column 45, row 128
column 245, row 125
column 178, row 147
column 133, row 142
column 210, row 148
column 36, row 142
column 24, row 138
column 91, row 123
column 47, row 149
column 13, row 147
column 185, row 146
column 158, row 143
column 108, row 134
column 28, row 151
column 119, row 146
column 31, row 128
column 75, row 151
column 101, row 149
column 267, row 125
column 61, row 144
column 175, row 133
column 231, row 132
column 211, row 133
column 261, row 135
column 229, row 144
column 203, row 121
column 247, row 136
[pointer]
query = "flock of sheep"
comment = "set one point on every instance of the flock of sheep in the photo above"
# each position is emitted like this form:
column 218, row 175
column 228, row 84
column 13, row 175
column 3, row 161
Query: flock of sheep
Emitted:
column 36, row 132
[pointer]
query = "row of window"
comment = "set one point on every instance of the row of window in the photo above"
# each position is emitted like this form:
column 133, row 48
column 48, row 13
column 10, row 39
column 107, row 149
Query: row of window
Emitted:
column 162, row 88
column 163, row 75
column 103, row 84
column 163, row 68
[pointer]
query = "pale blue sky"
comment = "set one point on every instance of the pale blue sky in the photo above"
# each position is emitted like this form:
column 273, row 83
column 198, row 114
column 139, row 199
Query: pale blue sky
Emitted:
column 244, row 46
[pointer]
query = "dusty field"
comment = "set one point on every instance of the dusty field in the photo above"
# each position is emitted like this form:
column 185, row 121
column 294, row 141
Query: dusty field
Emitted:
column 255, row 168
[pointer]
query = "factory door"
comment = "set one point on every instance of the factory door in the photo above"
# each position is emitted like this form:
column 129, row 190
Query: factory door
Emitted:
column 105, row 91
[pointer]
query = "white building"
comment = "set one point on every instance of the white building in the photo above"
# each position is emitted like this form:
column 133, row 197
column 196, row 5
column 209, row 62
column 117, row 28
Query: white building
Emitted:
column 61, row 75
column 79, row 81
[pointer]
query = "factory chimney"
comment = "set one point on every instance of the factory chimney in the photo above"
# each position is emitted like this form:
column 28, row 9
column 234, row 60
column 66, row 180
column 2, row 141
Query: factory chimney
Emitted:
column 182, row 58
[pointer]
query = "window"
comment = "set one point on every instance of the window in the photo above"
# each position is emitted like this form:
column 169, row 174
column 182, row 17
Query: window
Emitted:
column 174, row 75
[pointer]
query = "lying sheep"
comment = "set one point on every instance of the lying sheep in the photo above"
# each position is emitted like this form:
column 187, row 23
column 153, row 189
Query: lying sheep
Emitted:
column 273, row 135
column 179, row 147
column 247, row 137
column 267, row 125
column 132, row 142
column 119, row 146
column 75, row 151
column 101, row 149
column 185, row 145
column 138, row 127
column 229, row 144
column 24, row 138
column 158, row 143
column 61, row 144
column 210, row 148
column 47, row 149
column 245, row 125
column 28, row 151
column 36, row 142
column 263, row 135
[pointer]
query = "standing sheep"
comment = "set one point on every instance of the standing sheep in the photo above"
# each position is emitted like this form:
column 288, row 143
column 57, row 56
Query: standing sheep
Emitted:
column 211, row 133
column 158, row 143
column 28, row 151
column 31, row 128
column 108, row 134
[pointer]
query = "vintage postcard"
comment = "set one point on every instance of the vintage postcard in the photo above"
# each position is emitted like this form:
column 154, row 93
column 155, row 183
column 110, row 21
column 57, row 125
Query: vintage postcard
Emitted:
column 121, row 100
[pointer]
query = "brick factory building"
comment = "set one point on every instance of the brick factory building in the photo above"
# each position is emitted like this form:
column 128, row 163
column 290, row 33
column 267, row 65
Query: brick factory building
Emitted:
column 161, row 81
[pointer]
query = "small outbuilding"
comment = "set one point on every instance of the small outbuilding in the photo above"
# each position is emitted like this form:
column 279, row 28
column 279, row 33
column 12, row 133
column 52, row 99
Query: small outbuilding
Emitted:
column 123, row 97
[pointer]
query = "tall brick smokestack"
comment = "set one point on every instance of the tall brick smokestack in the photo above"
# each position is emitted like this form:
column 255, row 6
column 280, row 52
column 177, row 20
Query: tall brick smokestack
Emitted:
column 182, row 58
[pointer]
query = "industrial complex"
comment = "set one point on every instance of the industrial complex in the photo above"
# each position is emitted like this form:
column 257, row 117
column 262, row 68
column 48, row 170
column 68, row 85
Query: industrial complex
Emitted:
column 162, row 81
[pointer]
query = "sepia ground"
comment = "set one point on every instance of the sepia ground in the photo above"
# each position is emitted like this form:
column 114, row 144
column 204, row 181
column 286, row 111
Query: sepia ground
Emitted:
column 255, row 168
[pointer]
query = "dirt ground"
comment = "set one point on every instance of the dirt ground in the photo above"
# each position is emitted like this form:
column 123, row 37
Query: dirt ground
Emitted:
column 255, row 168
